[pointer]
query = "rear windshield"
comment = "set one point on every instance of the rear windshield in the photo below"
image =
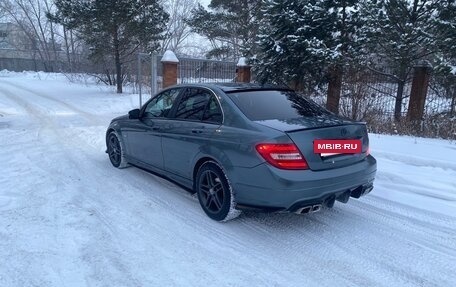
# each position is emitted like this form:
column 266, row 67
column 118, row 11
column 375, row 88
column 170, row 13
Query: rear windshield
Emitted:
column 281, row 105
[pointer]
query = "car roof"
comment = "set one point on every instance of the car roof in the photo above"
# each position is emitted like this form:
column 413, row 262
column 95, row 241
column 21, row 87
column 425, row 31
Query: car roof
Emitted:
column 232, row 87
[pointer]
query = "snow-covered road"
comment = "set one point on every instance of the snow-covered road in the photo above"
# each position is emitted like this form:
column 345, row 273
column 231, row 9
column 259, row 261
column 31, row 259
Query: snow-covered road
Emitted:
column 68, row 218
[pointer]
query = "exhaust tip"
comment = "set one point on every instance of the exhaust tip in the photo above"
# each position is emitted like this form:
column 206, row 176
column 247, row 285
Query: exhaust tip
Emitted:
column 368, row 189
column 316, row 208
column 309, row 209
column 304, row 210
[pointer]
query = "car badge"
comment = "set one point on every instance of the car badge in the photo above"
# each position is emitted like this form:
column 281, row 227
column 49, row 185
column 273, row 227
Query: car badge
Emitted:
column 343, row 132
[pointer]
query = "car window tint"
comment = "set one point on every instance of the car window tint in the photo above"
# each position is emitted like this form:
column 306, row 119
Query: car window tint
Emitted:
column 161, row 105
column 213, row 112
column 193, row 104
column 270, row 104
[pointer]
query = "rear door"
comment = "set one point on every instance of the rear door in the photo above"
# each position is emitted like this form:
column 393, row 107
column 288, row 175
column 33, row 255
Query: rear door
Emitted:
column 190, row 130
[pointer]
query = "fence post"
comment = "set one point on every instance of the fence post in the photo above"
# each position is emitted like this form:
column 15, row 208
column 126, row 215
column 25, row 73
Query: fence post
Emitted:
column 418, row 93
column 153, row 75
column 170, row 63
column 243, row 71
column 139, row 79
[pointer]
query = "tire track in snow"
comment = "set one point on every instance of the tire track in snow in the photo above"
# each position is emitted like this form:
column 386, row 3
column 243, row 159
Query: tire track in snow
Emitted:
column 403, row 239
column 415, row 216
column 416, row 161
column 27, row 107
column 69, row 156
column 49, row 126
column 90, row 117
column 337, row 234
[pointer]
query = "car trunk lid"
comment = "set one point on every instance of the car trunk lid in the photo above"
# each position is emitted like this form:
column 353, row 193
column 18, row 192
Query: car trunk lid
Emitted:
column 303, row 132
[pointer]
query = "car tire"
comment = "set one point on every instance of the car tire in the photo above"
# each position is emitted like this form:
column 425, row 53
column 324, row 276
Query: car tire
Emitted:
column 214, row 192
column 115, row 150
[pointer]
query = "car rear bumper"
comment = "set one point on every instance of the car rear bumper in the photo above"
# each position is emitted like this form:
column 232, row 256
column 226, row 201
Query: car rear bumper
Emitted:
column 267, row 188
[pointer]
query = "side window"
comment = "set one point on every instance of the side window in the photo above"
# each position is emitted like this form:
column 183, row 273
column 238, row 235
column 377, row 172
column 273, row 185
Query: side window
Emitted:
column 160, row 106
column 193, row 104
column 213, row 112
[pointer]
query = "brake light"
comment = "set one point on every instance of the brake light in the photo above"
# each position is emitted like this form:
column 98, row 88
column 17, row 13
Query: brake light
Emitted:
column 283, row 156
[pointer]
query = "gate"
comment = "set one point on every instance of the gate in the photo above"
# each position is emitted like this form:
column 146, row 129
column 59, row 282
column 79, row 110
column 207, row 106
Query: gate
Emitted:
column 189, row 70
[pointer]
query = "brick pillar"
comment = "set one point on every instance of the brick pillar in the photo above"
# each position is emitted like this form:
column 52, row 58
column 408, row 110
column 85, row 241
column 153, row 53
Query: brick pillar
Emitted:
column 420, row 83
column 170, row 63
column 243, row 73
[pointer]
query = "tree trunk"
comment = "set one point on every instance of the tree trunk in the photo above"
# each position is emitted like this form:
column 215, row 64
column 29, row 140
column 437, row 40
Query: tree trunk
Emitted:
column 51, row 27
column 453, row 104
column 67, row 49
column 400, row 92
column 75, row 60
column 117, row 62
column 108, row 76
column 334, row 89
column 398, row 103
column 54, row 47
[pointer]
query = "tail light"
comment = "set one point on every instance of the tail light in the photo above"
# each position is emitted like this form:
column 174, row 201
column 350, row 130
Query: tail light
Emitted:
column 283, row 156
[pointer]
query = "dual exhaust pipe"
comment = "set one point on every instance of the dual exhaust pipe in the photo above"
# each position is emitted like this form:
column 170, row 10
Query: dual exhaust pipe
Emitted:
column 342, row 197
column 309, row 209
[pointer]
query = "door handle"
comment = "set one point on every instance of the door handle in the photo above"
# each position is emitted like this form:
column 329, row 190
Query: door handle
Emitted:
column 197, row 131
column 155, row 128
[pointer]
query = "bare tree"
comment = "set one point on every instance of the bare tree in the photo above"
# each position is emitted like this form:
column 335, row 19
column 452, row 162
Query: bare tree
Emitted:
column 177, row 31
column 30, row 17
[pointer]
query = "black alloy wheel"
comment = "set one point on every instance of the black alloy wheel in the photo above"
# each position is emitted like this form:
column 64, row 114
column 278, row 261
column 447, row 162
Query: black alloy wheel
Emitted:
column 115, row 151
column 214, row 193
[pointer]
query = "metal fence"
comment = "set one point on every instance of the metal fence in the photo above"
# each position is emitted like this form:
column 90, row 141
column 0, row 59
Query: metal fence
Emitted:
column 203, row 71
column 370, row 96
column 18, row 61
column 149, row 77
column 366, row 93
column 442, row 95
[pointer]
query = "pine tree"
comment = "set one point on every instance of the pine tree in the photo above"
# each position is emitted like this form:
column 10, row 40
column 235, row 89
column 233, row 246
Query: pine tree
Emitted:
column 446, row 30
column 290, row 42
column 400, row 34
column 445, row 69
column 230, row 26
column 308, row 43
column 117, row 28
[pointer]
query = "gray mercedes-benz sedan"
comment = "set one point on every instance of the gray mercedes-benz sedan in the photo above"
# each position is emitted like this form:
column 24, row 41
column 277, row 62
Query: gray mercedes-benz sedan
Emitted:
column 244, row 147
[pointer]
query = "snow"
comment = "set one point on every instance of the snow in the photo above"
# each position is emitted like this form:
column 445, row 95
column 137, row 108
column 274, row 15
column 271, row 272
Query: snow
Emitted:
column 242, row 62
column 169, row 56
column 68, row 218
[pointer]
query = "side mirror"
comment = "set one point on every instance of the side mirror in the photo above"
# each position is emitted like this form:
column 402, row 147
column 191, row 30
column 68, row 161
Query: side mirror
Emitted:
column 133, row 114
